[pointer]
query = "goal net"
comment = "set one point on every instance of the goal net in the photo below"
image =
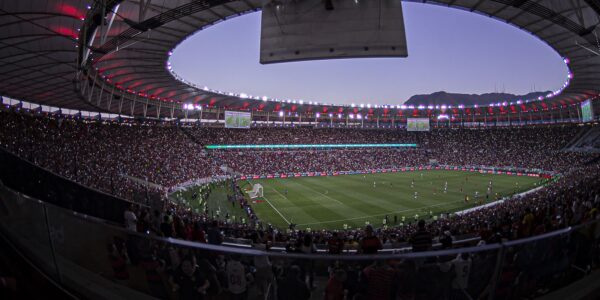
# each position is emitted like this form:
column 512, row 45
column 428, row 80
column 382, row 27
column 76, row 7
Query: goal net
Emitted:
column 257, row 191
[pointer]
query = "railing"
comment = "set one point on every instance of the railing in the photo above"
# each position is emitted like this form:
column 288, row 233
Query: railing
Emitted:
column 100, row 260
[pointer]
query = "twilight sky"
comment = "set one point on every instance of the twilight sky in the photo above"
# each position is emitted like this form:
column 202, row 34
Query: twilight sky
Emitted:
column 448, row 50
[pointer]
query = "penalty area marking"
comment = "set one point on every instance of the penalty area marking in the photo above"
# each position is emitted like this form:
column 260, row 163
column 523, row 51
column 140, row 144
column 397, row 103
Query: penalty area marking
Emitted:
column 286, row 198
column 311, row 189
column 276, row 210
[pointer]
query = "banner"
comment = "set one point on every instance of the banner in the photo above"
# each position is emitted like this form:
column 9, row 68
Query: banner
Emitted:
column 587, row 113
column 237, row 119
column 417, row 124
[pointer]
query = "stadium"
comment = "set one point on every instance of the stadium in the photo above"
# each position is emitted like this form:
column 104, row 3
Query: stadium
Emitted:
column 120, row 178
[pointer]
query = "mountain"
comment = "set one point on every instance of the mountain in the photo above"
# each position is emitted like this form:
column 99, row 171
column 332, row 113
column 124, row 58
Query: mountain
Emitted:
column 440, row 98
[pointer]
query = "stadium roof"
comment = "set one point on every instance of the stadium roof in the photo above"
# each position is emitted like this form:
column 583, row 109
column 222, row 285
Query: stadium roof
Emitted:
column 114, row 57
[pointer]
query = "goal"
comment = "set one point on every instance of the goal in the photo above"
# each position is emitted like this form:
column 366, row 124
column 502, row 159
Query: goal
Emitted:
column 257, row 191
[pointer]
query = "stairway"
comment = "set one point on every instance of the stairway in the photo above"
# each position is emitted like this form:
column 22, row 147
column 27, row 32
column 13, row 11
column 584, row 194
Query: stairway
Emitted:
column 576, row 138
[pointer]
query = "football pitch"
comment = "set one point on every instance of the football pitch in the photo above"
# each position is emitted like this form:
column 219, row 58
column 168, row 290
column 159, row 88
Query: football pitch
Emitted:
column 335, row 202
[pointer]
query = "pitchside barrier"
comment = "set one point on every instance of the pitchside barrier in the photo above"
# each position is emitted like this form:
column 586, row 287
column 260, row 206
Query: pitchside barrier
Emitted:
column 98, row 260
column 473, row 169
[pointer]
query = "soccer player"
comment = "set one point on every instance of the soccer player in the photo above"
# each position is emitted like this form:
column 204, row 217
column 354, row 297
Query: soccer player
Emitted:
column 416, row 195
column 446, row 187
column 412, row 184
column 374, row 184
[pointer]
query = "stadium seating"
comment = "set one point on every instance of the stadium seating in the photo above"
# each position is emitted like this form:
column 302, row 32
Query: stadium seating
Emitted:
column 143, row 161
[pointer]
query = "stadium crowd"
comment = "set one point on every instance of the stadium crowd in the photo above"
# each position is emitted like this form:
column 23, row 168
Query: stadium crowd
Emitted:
column 139, row 160
column 295, row 161
column 299, row 135
column 574, row 199
column 528, row 147
column 119, row 157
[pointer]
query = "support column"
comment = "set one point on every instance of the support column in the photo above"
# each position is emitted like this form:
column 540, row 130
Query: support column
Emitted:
column 112, row 93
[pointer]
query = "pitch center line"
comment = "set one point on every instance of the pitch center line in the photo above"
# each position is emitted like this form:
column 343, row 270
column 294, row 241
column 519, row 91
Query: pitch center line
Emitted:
column 276, row 210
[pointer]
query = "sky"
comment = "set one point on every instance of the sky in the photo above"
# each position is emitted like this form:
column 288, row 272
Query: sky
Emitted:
column 448, row 50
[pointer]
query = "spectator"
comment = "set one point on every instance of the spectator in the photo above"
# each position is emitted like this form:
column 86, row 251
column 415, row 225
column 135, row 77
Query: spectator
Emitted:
column 237, row 278
column 166, row 228
column 335, row 286
column 462, row 268
column 215, row 236
column 379, row 278
column 335, row 244
column 130, row 218
column 370, row 243
column 188, row 282
column 421, row 240
column 291, row 286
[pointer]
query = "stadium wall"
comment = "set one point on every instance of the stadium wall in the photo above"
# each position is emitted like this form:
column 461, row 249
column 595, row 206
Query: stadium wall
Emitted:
column 27, row 178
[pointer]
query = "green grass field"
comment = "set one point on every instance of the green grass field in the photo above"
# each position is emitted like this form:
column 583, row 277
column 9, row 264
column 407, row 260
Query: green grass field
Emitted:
column 330, row 202
column 216, row 202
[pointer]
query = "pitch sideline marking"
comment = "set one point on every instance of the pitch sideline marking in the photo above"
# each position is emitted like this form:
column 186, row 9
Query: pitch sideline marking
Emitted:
column 276, row 210
column 393, row 212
